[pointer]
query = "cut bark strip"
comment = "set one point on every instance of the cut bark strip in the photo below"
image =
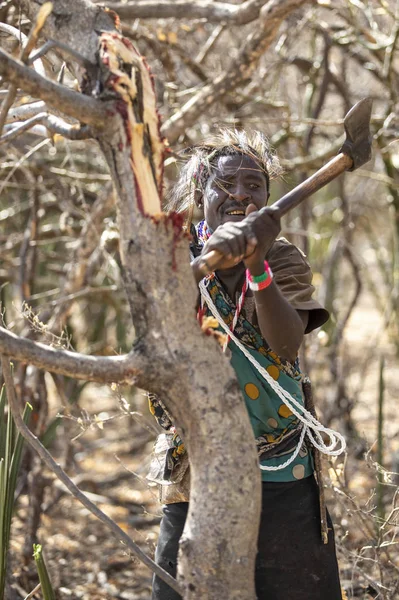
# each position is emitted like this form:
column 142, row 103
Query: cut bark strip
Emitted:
column 131, row 79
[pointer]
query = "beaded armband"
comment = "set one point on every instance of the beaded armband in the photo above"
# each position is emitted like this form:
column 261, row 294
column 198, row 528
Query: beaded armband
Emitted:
column 260, row 282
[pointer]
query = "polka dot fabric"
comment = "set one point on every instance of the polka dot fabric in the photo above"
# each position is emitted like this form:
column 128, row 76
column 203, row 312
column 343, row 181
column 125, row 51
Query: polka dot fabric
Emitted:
column 271, row 419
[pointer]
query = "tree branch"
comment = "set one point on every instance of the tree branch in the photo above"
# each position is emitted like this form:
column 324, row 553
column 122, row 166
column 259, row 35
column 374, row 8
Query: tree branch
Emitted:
column 76, row 24
column 160, row 48
column 20, row 128
column 29, row 44
column 75, row 491
column 26, row 111
column 213, row 12
column 20, row 36
column 73, row 104
column 314, row 161
column 53, row 124
column 271, row 17
column 127, row 368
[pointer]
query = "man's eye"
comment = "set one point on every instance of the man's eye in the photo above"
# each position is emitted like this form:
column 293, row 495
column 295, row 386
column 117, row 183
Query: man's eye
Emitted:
column 254, row 186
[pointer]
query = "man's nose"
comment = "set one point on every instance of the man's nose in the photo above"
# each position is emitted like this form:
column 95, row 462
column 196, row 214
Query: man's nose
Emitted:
column 240, row 193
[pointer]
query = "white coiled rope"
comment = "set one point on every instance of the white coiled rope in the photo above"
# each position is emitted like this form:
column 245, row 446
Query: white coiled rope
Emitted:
column 311, row 426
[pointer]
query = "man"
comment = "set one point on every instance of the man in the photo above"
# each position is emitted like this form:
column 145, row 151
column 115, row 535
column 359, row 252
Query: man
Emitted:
column 261, row 299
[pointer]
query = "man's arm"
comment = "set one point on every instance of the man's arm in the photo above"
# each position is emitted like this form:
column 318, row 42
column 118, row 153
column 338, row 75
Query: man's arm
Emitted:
column 281, row 325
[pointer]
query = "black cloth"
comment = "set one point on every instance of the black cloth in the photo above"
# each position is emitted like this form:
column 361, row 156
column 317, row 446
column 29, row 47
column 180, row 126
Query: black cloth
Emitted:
column 292, row 561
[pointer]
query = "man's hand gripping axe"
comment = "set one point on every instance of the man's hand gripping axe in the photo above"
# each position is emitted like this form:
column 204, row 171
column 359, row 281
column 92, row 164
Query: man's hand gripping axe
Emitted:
column 355, row 152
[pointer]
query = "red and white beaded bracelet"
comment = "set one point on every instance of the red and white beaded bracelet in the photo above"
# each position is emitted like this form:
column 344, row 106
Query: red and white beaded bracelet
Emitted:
column 260, row 282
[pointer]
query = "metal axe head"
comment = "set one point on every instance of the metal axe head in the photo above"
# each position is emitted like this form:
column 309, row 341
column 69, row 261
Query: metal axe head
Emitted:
column 358, row 137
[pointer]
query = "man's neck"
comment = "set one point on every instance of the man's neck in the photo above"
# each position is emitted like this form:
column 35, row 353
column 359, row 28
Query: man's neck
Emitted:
column 232, row 279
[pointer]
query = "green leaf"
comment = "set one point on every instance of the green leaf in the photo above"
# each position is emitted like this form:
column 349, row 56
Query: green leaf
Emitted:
column 16, row 463
column 2, row 422
column 47, row 588
column 9, row 466
column 3, row 546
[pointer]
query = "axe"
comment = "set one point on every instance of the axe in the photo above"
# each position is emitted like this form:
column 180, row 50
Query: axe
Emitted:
column 355, row 152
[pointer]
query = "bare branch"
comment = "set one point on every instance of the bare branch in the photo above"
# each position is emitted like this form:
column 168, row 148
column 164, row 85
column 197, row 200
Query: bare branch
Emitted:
column 21, row 128
column 128, row 368
column 41, row 51
column 207, row 47
column 159, row 47
column 213, row 12
column 52, row 124
column 26, row 111
column 33, row 592
column 28, row 251
column 18, row 164
column 71, row 132
column 83, row 293
column 271, row 17
column 313, row 161
column 6, row 105
column 37, row 64
column 74, row 490
column 82, row 108
column 29, row 44
column 40, row 20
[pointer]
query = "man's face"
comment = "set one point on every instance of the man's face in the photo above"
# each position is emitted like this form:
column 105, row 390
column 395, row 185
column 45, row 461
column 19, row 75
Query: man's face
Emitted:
column 235, row 182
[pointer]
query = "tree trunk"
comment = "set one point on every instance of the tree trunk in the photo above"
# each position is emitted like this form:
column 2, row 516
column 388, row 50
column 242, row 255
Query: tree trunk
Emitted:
column 200, row 390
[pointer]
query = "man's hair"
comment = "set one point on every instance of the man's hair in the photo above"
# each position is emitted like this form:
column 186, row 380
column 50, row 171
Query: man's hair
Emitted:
column 195, row 173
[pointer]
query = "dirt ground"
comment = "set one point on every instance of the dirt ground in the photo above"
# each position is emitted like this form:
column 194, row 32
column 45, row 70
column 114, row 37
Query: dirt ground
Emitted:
column 109, row 460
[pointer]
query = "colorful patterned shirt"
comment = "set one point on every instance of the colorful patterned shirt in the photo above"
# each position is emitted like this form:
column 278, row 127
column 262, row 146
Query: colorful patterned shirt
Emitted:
column 271, row 420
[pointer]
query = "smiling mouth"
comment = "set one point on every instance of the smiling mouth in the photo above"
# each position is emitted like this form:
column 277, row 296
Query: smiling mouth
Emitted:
column 239, row 212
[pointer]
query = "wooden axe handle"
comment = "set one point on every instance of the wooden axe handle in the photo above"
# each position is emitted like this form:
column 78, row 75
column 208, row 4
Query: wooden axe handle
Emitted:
column 337, row 165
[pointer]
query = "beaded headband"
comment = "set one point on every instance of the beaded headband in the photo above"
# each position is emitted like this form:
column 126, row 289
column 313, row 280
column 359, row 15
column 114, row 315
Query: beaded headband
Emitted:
column 203, row 172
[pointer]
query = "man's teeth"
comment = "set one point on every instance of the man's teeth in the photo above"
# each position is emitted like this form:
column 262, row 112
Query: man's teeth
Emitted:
column 236, row 212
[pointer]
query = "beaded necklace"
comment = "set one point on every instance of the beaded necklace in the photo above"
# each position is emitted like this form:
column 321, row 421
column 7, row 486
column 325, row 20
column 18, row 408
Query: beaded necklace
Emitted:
column 204, row 234
column 238, row 310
